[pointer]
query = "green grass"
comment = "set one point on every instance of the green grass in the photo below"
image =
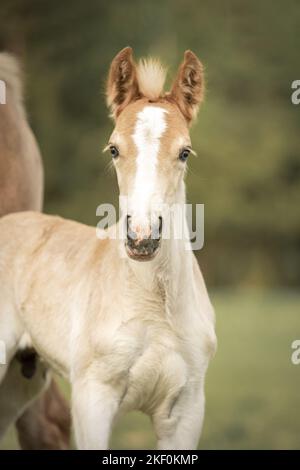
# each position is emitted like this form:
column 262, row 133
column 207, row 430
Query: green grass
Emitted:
column 252, row 388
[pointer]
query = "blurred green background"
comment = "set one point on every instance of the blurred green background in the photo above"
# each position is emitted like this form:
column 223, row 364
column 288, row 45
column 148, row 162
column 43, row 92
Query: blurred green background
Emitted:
column 247, row 175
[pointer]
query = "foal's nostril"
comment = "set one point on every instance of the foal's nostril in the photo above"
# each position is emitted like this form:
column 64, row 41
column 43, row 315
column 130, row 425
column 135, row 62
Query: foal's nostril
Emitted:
column 143, row 242
column 160, row 224
column 130, row 234
column 157, row 229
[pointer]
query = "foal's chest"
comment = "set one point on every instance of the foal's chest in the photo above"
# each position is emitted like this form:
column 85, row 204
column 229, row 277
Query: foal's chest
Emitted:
column 146, row 363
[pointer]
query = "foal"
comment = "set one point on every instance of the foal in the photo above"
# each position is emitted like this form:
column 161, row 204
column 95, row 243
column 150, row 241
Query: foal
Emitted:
column 127, row 334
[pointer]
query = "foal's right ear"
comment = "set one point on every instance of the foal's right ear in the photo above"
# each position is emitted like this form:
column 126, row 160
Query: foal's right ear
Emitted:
column 122, row 85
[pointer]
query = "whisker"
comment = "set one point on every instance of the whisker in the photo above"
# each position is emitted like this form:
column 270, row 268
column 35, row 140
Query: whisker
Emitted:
column 106, row 148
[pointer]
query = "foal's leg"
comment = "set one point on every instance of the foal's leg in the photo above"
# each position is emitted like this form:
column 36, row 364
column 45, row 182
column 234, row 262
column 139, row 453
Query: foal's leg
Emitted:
column 94, row 408
column 182, row 428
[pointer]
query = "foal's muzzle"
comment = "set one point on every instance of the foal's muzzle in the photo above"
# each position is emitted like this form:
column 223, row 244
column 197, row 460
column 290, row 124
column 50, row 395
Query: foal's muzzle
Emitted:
column 143, row 246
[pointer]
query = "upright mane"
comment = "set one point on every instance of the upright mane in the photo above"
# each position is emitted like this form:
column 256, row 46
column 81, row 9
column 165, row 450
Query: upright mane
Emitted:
column 151, row 77
column 128, row 82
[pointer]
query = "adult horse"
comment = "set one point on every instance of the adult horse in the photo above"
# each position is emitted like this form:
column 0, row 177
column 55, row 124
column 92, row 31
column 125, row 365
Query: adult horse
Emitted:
column 126, row 319
column 41, row 422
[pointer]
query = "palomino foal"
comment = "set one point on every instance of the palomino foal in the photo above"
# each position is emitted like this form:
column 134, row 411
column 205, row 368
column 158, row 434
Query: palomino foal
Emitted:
column 127, row 334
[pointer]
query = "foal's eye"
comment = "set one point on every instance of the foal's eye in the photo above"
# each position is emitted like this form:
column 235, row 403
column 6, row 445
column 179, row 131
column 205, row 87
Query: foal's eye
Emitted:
column 113, row 151
column 183, row 155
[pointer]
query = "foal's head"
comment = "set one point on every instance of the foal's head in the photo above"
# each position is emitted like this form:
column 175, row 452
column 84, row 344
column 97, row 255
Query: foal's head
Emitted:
column 150, row 142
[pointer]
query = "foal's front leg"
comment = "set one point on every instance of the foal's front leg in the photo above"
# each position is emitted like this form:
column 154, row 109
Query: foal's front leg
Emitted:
column 181, row 429
column 94, row 406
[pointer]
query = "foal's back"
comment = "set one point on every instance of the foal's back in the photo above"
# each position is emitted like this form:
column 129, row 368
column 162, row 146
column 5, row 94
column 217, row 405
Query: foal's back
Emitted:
column 21, row 173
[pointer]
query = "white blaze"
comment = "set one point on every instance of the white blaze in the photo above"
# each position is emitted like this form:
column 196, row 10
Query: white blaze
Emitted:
column 149, row 128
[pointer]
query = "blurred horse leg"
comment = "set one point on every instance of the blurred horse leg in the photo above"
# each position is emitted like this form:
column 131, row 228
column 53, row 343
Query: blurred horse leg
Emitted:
column 45, row 423
column 18, row 391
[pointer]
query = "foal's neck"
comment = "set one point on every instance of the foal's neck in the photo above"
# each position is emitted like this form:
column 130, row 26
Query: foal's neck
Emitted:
column 173, row 266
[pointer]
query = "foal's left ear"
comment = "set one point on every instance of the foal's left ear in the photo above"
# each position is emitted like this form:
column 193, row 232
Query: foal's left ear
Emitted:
column 122, row 84
column 188, row 88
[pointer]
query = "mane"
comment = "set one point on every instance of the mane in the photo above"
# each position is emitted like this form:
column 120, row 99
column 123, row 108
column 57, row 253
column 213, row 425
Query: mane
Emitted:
column 151, row 77
column 10, row 73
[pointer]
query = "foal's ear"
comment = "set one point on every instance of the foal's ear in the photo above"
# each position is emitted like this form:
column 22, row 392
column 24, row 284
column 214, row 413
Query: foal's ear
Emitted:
column 122, row 84
column 188, row 88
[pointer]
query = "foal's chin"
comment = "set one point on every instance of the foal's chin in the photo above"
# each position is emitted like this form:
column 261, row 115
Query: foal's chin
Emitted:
column 137, row 255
